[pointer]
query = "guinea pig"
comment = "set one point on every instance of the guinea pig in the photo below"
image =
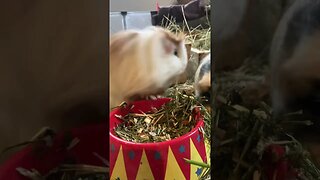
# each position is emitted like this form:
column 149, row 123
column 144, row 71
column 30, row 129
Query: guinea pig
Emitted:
column 242, row 29
column 295, row 59
column 202, row 80
column 144, row 62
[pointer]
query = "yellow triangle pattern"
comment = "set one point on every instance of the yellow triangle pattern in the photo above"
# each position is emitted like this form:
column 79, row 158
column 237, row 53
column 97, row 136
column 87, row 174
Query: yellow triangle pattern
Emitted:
column 173, row 171
column 144, row 171
column 208, row 150
column 119, row 168
column 195, row 156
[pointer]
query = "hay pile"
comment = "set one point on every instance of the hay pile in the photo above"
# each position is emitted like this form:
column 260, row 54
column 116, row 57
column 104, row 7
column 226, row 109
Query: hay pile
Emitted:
column 199, row 37
column 187, row 89
column 248, row 142
column 172, row 120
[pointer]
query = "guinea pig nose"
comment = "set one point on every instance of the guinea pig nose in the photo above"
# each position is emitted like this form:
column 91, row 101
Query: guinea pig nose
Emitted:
column 206, row 95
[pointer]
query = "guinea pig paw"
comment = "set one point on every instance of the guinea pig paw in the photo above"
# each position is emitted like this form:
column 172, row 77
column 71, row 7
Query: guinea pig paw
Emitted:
column 152, row 97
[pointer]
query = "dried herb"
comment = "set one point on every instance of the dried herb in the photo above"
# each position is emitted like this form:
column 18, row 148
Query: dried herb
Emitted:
column 172, row 120
column 243, row 133
column 199, row 37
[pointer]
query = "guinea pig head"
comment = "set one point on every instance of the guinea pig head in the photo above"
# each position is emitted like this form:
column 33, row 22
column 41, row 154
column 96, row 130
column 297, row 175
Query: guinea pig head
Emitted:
column 202, row 82
column 170, row 57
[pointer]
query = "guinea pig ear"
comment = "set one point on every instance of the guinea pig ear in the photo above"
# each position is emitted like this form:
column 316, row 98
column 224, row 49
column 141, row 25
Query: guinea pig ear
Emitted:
column 168, row 46
column 172, row 41
column 181, row 36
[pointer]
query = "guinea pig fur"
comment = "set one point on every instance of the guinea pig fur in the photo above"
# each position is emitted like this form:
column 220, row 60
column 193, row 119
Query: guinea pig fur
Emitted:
column 294, row 58
column 144, row 62
column 202, row 81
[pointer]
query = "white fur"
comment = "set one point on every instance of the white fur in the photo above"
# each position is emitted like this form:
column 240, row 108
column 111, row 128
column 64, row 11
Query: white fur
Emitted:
column 147, row 69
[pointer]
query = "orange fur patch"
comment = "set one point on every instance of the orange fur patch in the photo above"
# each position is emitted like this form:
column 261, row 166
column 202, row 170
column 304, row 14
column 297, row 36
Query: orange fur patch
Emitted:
column 205, row 82
column 121, row 41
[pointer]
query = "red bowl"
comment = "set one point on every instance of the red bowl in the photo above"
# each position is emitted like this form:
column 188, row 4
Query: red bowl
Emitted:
column 130, row 160
column 92, row 138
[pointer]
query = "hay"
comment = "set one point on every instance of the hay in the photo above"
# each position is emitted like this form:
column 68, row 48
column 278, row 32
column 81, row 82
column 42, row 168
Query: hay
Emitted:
column 172, row 120
column 243, row 132
column 199, row 37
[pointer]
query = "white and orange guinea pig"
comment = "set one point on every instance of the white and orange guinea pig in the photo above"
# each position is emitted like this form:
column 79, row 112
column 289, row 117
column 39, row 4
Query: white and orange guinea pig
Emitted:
column 202, row 81
column 144, row 62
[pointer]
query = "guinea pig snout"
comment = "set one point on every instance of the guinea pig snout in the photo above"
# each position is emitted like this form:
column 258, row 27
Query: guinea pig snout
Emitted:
column 206, row 96
column 203, row 85
column 203, row 78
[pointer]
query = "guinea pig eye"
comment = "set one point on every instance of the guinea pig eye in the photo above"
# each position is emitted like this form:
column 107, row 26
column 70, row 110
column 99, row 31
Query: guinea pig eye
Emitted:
column 175, row 52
